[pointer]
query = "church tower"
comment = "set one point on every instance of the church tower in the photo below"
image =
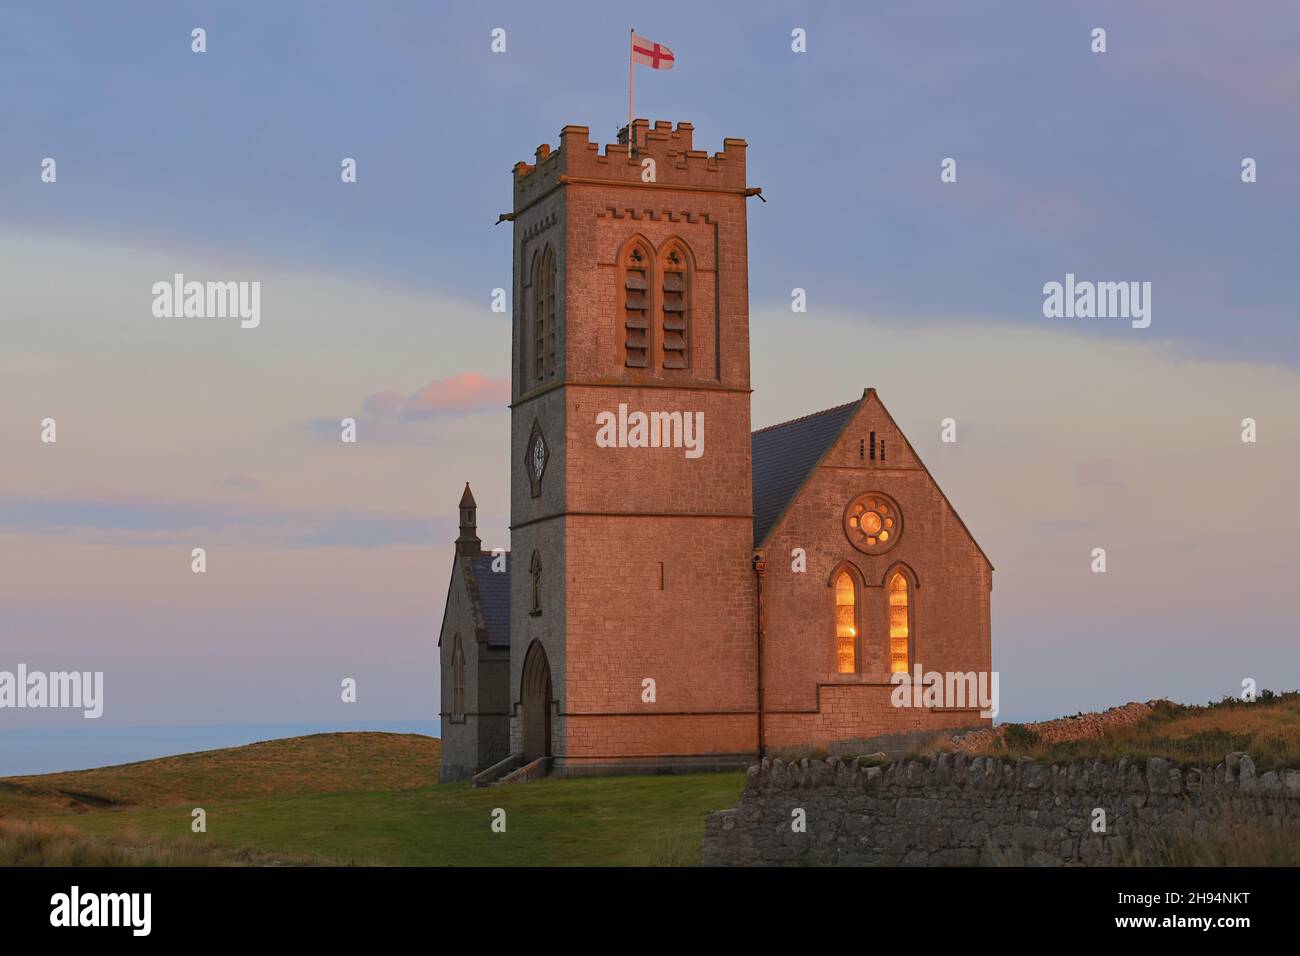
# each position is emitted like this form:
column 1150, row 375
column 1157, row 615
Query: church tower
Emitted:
column 632, row 615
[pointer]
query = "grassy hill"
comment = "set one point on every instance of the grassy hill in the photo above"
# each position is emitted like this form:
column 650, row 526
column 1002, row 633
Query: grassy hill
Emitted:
column 320, row 763
column 365, row 798
column 372, row 798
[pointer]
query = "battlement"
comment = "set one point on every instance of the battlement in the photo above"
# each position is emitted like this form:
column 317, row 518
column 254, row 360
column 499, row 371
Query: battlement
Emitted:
column 677, row 161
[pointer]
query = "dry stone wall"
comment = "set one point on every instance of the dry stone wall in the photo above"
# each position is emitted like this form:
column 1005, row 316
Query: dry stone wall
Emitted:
column 954, row 810
column 1089, row 726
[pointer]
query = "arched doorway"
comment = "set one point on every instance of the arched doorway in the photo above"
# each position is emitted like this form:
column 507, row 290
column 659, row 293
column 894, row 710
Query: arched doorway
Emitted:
column 536, row 699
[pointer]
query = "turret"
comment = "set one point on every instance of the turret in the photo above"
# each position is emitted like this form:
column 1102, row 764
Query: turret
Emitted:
column 468, row 544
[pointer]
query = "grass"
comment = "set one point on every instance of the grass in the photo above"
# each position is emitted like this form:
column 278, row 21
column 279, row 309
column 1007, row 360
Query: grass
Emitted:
column 349, row 798
column 37, row 844
column 597, row 821
column 320, row 763
column 1238, row 841
column 1268, row 729
column 369, row 798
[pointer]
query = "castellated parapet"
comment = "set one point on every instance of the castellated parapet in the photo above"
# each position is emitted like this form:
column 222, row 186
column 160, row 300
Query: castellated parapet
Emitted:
column 677, row 162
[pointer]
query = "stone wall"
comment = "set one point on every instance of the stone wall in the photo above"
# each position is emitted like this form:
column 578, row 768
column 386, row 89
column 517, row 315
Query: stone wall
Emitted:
column 1089, row 726
column 957, row 811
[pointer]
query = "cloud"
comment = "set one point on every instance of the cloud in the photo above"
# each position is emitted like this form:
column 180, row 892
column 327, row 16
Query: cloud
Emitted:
column 390, row 416
column 151, row 522
column 457, row 395
column 1098, row 473
column 238, row 483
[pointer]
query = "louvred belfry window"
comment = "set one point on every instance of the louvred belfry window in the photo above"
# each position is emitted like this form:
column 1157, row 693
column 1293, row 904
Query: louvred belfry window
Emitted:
column 542, row 285
column 538, row 284
column 550, row 269
column 675, row 304
column 637, row 309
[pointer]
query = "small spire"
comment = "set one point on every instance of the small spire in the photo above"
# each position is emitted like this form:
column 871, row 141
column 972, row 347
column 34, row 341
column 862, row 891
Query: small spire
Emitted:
column 468, row 543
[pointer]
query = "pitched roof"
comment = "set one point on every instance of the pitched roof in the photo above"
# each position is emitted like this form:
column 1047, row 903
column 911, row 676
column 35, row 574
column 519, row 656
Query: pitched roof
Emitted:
column 494, row 599
column 784, row 455
column 467, row 499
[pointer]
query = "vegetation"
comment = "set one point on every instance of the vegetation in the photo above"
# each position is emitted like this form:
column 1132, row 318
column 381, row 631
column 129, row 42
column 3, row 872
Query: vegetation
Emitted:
column 1239, row 841
column 1020, row 737
column 321, row 763
column 369, row 798
column 36, row 844
column 349, row 798
column 1268, row 729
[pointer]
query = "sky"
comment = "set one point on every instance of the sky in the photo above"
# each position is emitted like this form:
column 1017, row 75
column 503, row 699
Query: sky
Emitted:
column 329, row 560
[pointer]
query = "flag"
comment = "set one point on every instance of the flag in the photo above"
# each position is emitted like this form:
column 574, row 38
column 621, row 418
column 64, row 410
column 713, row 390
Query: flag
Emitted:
column 651, row 54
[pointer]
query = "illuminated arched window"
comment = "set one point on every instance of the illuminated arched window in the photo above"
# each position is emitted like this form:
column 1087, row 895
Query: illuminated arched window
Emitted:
column 457, row 681
column 637, row 269
column 900, row 623
column 846, row 628
column 676, row 307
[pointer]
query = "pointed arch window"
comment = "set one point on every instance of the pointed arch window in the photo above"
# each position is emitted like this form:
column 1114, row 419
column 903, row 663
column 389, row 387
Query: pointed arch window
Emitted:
column 676, row 307
column 637, row 269
column 900, row 623
column 457, row 680
column 535, row 572
column 846, row 624
column 542, row 285
column 549, row 270
column 538, row 287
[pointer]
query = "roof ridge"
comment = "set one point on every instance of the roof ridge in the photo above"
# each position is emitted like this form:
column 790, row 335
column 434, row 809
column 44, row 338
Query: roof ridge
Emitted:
column 802, row 418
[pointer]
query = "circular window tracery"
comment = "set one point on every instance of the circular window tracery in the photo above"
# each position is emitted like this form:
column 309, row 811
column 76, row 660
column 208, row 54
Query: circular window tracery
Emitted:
column 873, row 522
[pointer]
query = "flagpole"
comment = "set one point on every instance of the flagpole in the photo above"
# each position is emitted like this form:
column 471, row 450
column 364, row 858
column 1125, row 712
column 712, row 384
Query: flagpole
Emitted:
column 630, row 43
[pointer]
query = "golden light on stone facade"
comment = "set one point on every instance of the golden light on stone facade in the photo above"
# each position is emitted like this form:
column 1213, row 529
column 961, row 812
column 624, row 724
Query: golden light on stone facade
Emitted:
column 872, row 522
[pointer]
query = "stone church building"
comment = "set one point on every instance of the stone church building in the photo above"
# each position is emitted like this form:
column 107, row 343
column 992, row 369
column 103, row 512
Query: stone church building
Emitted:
column 654, row 611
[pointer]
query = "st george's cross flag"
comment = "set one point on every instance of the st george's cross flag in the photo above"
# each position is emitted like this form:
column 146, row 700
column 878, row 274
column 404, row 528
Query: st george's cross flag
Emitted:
column 651, row 54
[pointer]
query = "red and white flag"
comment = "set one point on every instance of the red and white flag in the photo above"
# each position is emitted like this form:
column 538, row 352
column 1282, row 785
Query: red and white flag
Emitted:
column 651, row 54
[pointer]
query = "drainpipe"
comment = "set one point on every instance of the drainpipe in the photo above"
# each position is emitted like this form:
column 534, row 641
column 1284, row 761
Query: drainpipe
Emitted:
column 760, row 569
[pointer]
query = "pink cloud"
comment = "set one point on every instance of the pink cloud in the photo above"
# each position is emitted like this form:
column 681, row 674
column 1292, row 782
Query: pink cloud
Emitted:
column 1098, row 473
column 467, row 392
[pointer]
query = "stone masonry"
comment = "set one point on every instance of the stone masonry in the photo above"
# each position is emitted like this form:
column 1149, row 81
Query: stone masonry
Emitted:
column 957, row 811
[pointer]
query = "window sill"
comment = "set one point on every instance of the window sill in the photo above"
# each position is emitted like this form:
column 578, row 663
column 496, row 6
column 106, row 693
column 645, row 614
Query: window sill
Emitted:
column 873, row 679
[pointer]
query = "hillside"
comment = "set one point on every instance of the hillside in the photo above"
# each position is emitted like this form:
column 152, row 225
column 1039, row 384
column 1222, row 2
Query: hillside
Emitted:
column 347, row 798
column 371, row 798
column 319, row 763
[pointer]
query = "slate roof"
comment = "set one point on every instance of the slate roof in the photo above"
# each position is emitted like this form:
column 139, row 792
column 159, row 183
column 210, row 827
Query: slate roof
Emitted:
column 494, row 599
column 785, row 454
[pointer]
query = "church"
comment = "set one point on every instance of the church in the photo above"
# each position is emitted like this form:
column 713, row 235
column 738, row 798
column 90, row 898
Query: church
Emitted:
column 682, row 593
